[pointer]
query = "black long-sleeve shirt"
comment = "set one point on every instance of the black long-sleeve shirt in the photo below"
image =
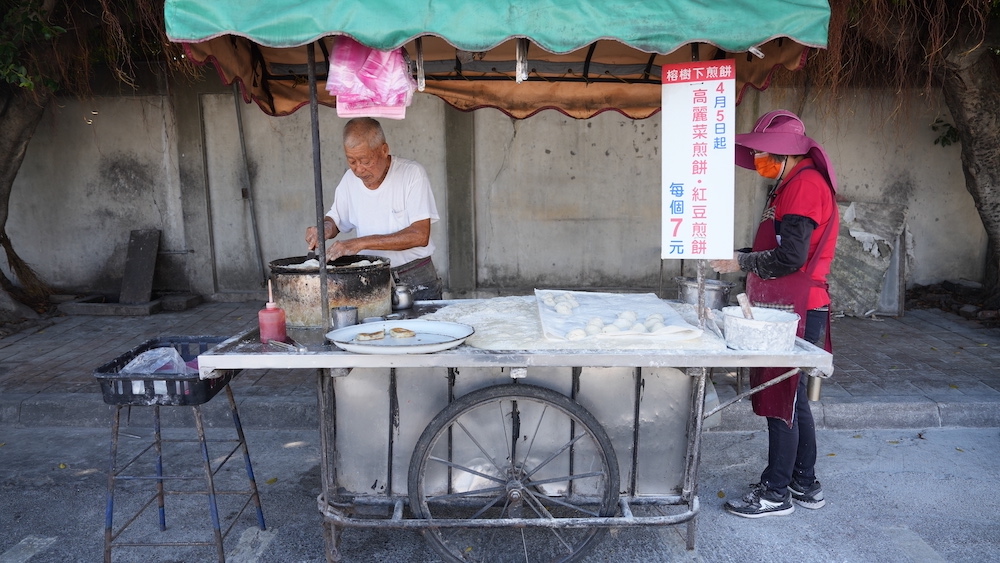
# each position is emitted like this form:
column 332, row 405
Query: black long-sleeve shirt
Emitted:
column 794, row 232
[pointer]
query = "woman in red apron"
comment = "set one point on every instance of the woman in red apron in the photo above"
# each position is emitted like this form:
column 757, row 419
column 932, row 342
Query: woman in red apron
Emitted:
column 787, row 269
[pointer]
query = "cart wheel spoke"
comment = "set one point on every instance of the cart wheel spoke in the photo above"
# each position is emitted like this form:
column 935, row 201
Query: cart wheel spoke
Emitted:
column 466, row 494
column 478, row 445
column 482, row 510
column 531, row 444
column 560, row 502
column 554, row 455
column 508, row 439
column 561, row 478
column 468, row 469
column 543, row 512
column 494, row 544
column 456, row 537
column 563, row 467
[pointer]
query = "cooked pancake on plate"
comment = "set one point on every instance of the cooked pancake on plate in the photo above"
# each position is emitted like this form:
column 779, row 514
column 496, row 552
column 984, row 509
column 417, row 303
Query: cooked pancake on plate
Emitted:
column 363, row 336
column 399, row 332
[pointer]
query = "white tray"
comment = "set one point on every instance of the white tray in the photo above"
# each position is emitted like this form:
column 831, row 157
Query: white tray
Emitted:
column 431, row 336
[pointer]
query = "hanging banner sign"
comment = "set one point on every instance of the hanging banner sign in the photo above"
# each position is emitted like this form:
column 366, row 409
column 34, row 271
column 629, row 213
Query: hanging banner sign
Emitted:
column 698, row 119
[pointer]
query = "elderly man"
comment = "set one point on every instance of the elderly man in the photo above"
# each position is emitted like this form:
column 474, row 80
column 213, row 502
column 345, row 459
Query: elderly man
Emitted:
column 388, row 200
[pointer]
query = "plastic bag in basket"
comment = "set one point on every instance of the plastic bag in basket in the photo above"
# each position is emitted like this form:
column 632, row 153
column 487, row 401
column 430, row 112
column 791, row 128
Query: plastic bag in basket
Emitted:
column 158, row 360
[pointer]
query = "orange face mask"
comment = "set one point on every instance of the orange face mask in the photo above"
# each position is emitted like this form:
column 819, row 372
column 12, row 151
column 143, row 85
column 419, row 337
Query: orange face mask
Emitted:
column 768, row 166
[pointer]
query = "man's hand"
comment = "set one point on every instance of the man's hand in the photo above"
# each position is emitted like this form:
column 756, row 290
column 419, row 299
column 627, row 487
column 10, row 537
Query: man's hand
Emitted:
column 726, row 266
column 329, row 232
column 339, row 248
column 311, row 239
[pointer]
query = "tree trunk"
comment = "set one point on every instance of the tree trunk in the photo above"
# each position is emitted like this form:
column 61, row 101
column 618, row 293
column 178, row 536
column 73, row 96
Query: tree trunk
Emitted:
column 20, row 112
column 971, row 88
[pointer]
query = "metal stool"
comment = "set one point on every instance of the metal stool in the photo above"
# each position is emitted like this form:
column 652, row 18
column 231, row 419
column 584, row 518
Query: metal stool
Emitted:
column 116, row 474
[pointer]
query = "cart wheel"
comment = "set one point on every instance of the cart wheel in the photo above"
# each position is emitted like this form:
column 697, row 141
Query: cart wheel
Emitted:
column 513, row 451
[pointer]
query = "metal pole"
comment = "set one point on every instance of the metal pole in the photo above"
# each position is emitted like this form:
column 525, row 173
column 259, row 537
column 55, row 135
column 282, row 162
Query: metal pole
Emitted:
column 813, row 387
column 324, row 300
column 689, row 489
column 248, row 195
column 701, row 294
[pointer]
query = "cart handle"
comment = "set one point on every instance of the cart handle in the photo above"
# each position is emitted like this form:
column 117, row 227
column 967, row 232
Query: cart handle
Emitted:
column 760, row 387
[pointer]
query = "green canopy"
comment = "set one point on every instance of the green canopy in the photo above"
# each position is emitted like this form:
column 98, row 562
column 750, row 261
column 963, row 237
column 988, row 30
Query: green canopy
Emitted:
column 585, row 56
column 558, row 26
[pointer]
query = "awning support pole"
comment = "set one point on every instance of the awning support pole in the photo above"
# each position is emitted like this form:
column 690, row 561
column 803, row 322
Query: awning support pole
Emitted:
column 521, row 65
column 421, row 77
column 324, row 300
column 248, row 191
column 702, row 264
column 586, row 61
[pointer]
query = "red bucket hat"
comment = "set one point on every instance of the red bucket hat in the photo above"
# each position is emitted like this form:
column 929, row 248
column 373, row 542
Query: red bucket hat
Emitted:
column 782, row 132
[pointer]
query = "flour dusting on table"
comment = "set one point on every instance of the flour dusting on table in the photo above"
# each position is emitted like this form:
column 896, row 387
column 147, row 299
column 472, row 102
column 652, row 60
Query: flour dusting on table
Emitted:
column 513, row 323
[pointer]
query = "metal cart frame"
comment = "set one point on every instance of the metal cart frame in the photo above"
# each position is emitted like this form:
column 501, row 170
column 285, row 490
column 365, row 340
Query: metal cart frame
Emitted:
column 244, row 351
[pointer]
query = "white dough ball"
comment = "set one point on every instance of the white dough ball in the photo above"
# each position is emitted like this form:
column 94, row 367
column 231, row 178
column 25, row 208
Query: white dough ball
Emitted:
column 593, row 329
column 610, row 329
column 564, row 308
column 656, row 327
column 638, row 327
column 596, row 321
column 622, row 323
column 651, row 322
column 549, row 300
column 655, row 317
column 630, row 316
column 576, row 334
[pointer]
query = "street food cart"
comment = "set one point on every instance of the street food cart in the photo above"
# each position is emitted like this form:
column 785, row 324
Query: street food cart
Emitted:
column 545, row 448
column 505, row 454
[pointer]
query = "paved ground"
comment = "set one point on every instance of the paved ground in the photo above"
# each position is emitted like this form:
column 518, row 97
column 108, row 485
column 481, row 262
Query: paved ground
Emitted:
column 894, row 496
column 908, row 435
column 926, row 369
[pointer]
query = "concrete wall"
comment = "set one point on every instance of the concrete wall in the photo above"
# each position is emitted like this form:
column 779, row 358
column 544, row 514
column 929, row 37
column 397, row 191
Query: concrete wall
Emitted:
column 567, row 203
column 544, row 202
column 895, row 160
column 94, row 171
column 576, row 203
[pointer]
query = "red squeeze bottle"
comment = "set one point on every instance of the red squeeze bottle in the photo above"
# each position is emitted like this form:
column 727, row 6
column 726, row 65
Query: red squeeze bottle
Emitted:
column 271, row 319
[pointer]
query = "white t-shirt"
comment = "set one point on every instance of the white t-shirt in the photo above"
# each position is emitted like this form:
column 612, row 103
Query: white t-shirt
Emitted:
column 403, row 198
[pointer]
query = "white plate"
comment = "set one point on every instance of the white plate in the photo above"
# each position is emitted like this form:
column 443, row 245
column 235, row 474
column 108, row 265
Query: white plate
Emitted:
column 431, row 336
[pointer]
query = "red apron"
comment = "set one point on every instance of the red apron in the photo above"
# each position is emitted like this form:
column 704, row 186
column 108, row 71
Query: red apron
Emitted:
column 787, row 292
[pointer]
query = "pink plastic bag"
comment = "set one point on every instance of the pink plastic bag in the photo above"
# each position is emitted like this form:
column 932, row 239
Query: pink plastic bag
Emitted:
column 369, row 82
column 346, row 60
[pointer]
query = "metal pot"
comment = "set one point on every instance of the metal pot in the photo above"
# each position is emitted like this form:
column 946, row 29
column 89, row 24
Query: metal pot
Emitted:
column 716, row 292
column 369, row 288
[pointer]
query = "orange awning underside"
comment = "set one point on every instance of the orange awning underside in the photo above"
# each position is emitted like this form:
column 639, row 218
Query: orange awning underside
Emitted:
column 607, row 75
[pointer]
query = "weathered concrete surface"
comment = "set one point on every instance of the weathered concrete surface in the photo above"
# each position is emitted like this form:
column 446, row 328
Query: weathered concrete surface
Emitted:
column 892, row 495
column 555, row 202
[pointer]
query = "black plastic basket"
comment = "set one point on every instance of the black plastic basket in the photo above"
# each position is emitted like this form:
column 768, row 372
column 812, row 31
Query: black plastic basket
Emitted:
column 161, row 388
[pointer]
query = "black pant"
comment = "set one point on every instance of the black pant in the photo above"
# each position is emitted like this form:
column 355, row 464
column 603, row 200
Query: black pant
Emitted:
column 792, row 450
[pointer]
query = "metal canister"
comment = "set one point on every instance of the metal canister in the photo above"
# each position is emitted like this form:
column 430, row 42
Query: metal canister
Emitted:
column 344, row 315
